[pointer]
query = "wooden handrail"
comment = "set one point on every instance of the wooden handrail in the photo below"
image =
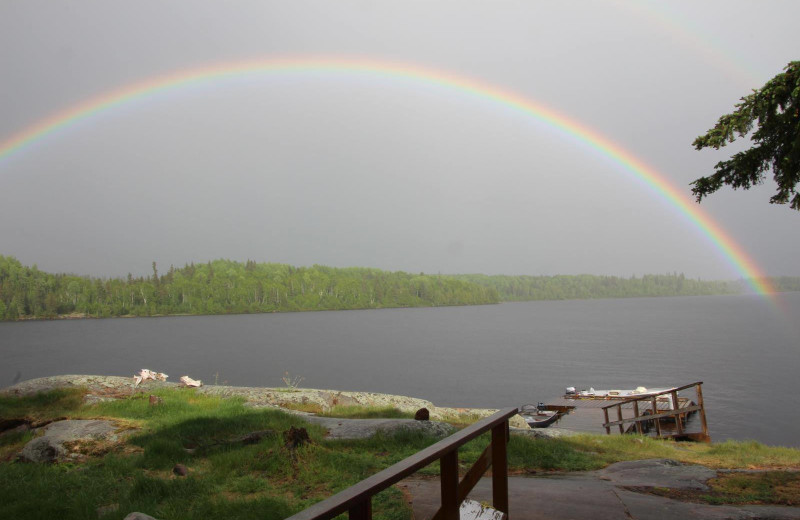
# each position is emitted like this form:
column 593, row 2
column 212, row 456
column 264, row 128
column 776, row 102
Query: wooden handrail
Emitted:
column 357, row 499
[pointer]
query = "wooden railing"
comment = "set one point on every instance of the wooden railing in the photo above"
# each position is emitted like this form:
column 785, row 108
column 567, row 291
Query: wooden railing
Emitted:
column 652, row 413
column 357, row 499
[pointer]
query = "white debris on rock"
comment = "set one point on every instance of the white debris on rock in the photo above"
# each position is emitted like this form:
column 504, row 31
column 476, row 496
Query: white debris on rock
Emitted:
column 473, row 510
column 146, row 374
column 188, row 381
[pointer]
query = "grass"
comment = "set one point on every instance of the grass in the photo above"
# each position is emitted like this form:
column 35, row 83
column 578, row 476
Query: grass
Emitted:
column 11, row 443
column 229, row 479
column 769, row 487
column 462, row 420
column 304, row 407
column 351, row 412
column 601, row 450
column 42, row 406
column 367, row 412
column 226, row 478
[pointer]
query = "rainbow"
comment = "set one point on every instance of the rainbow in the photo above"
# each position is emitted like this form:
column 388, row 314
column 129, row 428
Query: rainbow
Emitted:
column 687, row 31
column 659, row 184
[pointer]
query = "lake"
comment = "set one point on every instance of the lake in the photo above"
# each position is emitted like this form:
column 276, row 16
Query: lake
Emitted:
column 743, row 348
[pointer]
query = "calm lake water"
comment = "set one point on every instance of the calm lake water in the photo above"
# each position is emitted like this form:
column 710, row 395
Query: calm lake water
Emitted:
column 745, row 350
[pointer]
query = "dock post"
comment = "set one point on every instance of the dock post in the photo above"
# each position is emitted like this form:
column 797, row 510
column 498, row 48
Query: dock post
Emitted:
column 657, row 421
column 703, row 423
column 675, row 407
column 636, row 416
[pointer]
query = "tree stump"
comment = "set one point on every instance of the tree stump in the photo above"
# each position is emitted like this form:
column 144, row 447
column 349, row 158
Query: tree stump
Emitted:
column 295, row 437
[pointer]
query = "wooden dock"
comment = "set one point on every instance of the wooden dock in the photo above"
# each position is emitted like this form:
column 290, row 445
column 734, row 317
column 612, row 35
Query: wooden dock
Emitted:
column 652, row 415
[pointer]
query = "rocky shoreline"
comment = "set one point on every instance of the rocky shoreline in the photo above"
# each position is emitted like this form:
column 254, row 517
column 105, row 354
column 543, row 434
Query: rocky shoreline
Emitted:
column 115, row 387
column 622, row 490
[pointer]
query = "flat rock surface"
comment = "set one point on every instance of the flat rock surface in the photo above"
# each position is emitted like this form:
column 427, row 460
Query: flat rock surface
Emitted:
column 665, row 473
column 544, row 433
column 601, row 495
column 97, row 385
column 363, row 428
column 104, row 387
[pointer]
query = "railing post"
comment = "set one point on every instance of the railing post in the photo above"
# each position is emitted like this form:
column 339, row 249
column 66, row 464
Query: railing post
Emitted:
column 619, row 418
column 500, row 467
column 608, row 428
column 362, row 510
column 449, row 484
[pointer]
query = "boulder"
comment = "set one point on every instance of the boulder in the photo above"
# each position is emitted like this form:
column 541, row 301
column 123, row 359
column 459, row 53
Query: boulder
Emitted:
column 50, row 447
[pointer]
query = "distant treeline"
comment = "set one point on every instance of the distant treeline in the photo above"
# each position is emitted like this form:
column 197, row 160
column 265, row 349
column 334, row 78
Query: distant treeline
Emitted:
column 227, row 287
column 786, row 283
column 579, row 287
column 582, row 287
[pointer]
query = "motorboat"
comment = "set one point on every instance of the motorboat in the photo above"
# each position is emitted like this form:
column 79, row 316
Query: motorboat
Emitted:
column 538, row 417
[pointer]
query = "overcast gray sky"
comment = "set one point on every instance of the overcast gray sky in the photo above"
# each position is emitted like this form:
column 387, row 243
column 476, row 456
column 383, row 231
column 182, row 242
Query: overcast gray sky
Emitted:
column 349, row 170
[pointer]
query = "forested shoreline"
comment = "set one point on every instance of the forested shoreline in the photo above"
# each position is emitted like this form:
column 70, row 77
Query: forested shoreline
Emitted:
column 226, row 287
column 229, row 287
column 584, row 287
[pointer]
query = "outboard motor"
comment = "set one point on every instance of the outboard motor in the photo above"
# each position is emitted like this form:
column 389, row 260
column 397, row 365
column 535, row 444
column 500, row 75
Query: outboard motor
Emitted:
column 570, row 390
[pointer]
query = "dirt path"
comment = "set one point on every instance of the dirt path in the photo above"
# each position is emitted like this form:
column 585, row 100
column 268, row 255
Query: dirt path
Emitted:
column 607, row 494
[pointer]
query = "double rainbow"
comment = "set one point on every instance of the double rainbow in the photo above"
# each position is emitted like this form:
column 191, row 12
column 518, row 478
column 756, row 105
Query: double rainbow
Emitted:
column 659, row 184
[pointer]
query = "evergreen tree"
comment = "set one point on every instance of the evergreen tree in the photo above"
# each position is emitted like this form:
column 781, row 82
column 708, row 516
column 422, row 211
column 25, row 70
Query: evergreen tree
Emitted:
column 775, row 110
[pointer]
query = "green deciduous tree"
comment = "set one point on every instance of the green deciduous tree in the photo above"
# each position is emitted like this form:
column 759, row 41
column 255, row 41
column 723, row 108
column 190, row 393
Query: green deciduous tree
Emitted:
column 775, row 110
